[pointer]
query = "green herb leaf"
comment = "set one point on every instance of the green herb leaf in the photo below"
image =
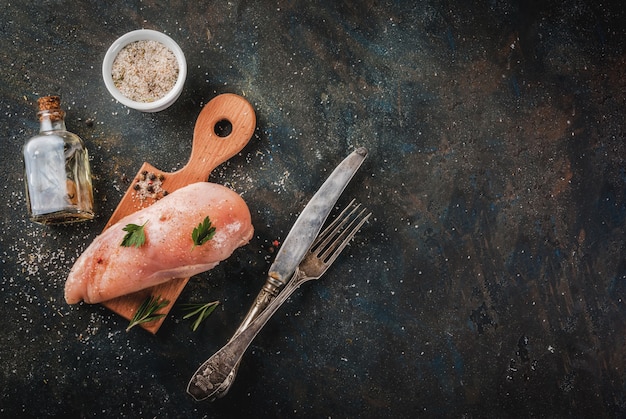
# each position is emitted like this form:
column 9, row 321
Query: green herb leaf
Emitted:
column 147, row 311
column 201, row 310
column 135, row 235
column 203, row 233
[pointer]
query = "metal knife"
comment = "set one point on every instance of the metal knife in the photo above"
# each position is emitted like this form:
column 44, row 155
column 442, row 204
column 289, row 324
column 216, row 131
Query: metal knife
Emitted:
column 303, row 233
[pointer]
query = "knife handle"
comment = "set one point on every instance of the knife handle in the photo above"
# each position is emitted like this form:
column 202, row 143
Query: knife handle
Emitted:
column 215, row 376
column 270, row 290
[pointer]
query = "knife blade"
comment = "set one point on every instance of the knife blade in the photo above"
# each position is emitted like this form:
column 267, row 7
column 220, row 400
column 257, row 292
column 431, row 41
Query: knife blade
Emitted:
column 303, row 233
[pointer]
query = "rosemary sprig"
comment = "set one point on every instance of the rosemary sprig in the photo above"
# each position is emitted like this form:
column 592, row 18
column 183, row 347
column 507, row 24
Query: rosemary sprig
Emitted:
column 201, row 310
column 135, row 235
column 147, row 311
column 203, row 233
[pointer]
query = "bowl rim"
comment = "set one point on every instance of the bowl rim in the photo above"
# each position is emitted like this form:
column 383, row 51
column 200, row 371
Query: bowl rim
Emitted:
column 144, row 35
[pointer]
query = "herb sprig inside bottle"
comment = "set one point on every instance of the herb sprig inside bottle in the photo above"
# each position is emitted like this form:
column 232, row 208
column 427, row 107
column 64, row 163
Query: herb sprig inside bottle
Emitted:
column 203, row 233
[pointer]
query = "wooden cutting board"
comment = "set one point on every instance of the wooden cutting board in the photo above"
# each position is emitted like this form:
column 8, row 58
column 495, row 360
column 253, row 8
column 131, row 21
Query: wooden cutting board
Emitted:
column 224, row 126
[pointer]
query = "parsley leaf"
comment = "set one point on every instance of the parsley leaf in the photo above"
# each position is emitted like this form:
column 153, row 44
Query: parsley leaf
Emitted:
column 135, row 235
column 203, row 233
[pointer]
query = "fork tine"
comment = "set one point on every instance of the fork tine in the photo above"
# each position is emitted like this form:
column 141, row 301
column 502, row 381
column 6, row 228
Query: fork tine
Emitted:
column 346, row 236
column 337, row 235
column 325, row 236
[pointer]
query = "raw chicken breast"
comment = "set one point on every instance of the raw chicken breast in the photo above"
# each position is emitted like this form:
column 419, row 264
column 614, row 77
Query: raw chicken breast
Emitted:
column 107, row 270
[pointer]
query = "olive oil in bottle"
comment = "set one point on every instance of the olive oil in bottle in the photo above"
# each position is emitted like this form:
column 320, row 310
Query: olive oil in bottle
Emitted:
column 56, row 170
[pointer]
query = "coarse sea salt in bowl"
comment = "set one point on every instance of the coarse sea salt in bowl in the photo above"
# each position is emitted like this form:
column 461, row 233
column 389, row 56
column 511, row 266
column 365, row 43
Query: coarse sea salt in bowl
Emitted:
column 145, row 70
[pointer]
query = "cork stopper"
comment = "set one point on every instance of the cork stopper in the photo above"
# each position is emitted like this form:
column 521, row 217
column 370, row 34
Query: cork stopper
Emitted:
column 50, row 106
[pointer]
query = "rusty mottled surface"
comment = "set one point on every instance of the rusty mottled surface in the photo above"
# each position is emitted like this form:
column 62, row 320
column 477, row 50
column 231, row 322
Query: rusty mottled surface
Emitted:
column 491, row 281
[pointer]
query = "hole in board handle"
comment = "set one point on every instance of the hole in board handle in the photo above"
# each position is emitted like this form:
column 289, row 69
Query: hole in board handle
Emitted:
column 223, row 128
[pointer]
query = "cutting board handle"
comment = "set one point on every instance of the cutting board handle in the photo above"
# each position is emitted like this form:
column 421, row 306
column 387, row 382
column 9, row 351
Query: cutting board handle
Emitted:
column 223, row 128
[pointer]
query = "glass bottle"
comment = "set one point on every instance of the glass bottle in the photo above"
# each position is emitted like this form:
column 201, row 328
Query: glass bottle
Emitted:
column 56, row 170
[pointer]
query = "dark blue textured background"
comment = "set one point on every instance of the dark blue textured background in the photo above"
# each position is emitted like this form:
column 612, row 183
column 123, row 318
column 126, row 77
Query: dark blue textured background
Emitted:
column 490, row 281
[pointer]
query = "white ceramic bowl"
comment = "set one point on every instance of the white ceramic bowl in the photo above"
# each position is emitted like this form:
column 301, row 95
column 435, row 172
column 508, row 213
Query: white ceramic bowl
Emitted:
column 144, row 35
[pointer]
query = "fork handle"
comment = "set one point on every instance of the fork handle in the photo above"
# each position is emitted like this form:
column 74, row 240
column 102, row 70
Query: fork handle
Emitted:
column 215, row 375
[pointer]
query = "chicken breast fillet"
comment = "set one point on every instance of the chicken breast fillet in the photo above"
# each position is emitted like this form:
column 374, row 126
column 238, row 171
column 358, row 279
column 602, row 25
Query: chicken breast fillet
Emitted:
column 107, row 270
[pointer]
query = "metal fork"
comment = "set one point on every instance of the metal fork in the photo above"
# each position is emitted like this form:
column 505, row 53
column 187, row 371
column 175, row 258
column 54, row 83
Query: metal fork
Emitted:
column 215, row 376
